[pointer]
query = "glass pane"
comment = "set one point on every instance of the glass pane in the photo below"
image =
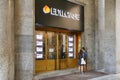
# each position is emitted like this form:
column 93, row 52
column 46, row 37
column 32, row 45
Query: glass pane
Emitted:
column 51, row 45
column 62, row 45
column 40, row 45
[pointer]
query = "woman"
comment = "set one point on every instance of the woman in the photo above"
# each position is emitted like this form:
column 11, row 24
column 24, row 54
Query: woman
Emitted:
column 80, row 56
column 85, row 55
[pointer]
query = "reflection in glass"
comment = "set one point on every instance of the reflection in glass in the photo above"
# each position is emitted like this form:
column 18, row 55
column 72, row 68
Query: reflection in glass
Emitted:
column 62, row 45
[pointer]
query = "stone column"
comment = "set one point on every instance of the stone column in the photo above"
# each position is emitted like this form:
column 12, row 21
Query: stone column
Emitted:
column 99, row 55
column 6, row 39
column 117, row 36
column 24, row 46
column 110, row 37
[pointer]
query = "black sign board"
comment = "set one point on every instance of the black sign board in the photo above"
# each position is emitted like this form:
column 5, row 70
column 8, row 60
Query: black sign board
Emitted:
column 59, row 13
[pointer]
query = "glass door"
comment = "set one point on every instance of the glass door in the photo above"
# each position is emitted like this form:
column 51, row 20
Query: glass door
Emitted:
column 51, row 51
column 62, row 46
column 51, row 44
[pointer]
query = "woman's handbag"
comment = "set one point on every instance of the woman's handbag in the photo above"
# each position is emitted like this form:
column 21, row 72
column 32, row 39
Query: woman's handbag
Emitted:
column 83, row 61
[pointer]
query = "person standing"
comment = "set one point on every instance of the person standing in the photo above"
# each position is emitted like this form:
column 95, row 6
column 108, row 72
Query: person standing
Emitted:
column 85, row 55
column 80, row 61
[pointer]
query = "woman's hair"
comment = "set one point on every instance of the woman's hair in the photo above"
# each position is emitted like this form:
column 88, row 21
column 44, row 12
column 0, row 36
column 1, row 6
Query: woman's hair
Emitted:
column 81, row 52
column 83, row 48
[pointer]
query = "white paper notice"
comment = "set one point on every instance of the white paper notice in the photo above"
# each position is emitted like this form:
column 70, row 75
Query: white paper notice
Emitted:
column 40, row 37
column 51, row 50
column 70, row 38
column 70, row 49
column 70, row 44
column 70, row 55
column 39, row 56
column 39, row 43
column 39, row 49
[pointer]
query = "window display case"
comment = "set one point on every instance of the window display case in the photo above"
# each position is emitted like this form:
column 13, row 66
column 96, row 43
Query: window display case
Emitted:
column 70, row 46
column 40, row 46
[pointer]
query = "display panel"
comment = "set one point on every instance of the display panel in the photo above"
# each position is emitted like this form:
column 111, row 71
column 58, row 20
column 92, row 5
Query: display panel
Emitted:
column 39, row 37
column 39, row 49
column 70, row 55
column 39, row 56
column 71, row 46
column 70, row 38
column 40, row 45
column 70, row 49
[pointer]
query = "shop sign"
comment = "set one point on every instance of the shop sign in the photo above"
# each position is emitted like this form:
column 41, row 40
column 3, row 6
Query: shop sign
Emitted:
column 59, row 13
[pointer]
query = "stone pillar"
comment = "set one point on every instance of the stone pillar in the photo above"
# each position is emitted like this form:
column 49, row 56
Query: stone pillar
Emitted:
column 24, row 46
column 110, row 37
column 100, row 39
column 6, row 39
column 117, row 36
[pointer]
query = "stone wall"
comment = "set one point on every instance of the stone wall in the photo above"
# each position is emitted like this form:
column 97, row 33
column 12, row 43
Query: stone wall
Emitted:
column 6, row 39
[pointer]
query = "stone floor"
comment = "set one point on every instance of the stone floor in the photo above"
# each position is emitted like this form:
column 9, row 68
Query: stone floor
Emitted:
column 77, row 76
column 73, row 74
